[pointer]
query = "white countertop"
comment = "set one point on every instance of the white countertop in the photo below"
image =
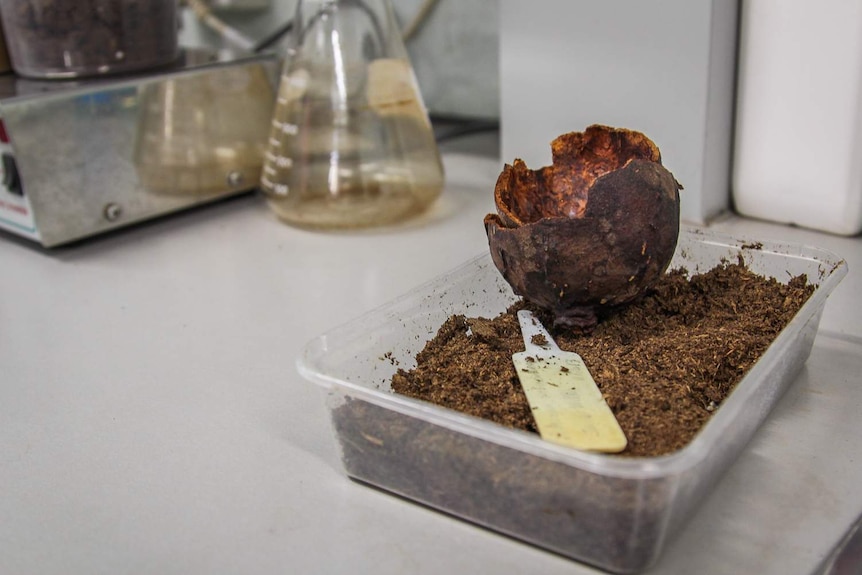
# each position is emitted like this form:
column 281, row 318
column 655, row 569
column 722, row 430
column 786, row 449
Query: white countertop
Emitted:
column 152, row 420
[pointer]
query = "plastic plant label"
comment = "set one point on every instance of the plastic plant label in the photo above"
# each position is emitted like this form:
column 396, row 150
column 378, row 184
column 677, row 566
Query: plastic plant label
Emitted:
column 566, row 403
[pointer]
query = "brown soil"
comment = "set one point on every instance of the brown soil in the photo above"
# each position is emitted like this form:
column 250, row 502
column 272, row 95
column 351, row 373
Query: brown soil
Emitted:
column 664, row 364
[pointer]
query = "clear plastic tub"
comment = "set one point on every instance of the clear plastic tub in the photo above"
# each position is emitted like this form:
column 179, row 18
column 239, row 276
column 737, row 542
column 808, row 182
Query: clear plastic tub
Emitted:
column 613, row 512
column 69, row 38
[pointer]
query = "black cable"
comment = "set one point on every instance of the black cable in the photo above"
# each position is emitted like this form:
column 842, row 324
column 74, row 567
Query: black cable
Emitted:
column 274, row 37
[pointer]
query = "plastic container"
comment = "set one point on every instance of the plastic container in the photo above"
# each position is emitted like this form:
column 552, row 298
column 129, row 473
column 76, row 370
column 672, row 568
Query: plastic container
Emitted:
column 69, row 38
column 798, row 151
column 613, row 512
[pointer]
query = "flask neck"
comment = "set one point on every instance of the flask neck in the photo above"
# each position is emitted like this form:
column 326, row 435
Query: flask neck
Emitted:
column 349, row 25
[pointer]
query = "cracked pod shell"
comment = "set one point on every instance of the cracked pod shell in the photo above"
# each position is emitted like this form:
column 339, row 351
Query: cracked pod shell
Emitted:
column 591, row 232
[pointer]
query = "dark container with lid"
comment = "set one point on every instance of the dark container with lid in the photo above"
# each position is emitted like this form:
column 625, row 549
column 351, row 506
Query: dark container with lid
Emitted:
column 78, row 38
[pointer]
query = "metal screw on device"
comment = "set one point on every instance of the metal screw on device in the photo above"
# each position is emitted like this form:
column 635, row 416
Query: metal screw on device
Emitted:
column 235, row 178
column 112, row 212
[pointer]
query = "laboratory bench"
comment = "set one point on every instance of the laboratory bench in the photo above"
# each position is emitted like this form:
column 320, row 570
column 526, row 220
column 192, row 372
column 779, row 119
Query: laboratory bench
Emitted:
column 152, row 419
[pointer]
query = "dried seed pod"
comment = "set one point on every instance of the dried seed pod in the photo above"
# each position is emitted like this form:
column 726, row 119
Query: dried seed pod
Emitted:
column 591, row 232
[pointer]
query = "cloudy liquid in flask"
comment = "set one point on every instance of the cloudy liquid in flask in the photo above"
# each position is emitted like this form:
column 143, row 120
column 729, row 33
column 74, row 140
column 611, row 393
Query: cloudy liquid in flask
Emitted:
column 348, row 153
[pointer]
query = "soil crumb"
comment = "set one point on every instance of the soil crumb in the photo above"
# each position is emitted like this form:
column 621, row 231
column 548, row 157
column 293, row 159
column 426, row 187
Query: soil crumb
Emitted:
column 664, row 364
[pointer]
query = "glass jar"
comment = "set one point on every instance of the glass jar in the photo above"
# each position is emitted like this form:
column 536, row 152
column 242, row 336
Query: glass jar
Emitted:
column 5, row 66
column 239, row 5
column 72, row 38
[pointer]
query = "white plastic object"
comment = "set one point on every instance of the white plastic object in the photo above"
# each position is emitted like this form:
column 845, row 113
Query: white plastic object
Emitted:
column 666, row 69
column 798, row 151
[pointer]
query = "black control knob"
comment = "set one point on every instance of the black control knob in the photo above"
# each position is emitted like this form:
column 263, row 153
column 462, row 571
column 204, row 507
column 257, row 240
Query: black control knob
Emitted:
column 11, row 179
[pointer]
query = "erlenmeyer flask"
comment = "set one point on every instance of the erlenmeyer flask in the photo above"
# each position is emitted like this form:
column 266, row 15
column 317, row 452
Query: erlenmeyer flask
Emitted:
column 351, row 144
